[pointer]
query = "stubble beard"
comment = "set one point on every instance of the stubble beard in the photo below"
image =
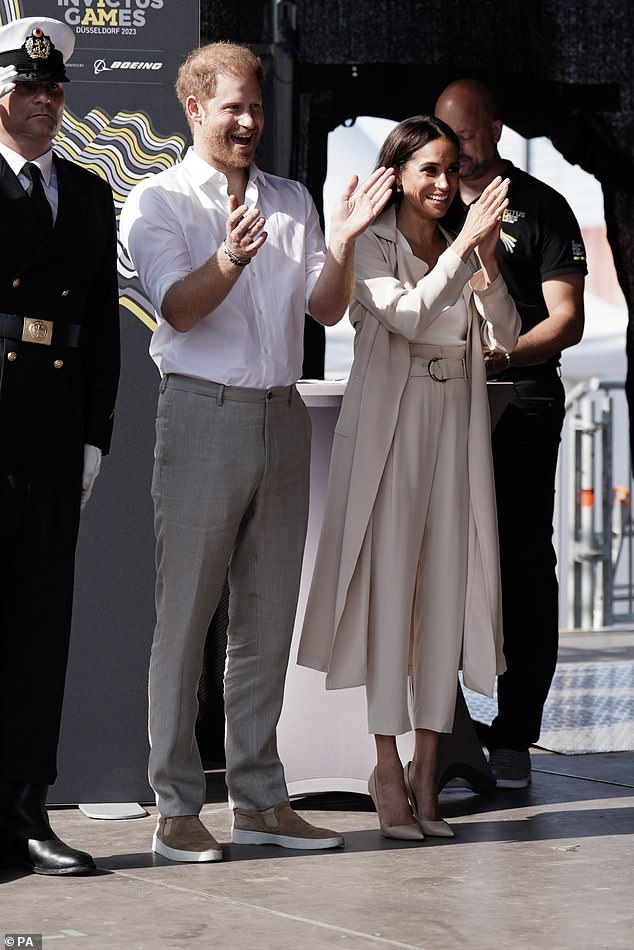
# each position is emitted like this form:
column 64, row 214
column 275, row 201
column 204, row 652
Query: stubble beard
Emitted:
column 474, row 171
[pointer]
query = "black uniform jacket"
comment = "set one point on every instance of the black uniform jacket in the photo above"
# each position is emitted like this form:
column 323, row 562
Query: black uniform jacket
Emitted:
column 54, row 398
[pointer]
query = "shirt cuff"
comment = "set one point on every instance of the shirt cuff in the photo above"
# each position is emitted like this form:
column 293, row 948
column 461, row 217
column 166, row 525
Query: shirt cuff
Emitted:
column 162, row 287
column 311, row 282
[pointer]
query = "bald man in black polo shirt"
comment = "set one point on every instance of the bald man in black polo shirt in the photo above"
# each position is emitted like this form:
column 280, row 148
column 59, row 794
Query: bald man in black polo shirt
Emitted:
column 542, row 259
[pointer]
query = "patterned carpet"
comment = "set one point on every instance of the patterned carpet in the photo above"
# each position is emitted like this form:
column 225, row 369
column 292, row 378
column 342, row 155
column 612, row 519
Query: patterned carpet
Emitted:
column 590, row 708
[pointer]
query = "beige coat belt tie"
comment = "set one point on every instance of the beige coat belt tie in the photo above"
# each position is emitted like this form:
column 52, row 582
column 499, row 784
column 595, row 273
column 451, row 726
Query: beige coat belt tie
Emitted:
column 441, row 363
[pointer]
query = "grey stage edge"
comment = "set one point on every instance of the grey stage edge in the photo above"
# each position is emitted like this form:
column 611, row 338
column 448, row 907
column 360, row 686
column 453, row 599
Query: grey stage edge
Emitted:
column 103, row 745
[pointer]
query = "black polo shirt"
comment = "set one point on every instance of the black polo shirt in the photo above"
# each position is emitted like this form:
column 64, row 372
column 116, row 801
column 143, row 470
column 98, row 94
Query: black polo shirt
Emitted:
column 540, row 239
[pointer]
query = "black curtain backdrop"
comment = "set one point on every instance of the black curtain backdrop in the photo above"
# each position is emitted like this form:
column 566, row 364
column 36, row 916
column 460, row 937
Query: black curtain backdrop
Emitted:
column 559, row 68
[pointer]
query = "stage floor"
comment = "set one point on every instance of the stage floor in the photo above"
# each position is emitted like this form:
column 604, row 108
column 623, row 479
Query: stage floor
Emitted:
column 545, row 868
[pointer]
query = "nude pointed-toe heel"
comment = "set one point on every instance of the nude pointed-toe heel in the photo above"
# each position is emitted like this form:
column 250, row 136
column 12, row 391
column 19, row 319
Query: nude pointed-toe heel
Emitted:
column 411, row 832
column 435, row 829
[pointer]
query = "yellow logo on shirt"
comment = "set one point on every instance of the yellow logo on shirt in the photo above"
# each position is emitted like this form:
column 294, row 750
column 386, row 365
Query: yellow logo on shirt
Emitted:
column 508, row 241
column 512, row 217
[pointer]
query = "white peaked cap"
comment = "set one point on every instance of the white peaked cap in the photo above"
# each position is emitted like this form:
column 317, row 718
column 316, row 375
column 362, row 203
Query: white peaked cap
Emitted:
column 14, row 34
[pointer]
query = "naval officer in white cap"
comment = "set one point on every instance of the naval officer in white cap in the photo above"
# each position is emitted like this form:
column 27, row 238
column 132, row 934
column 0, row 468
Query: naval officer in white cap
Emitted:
column 59, row 366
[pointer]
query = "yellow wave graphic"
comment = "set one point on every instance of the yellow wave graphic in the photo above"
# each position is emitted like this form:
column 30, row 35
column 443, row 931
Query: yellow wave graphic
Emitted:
column 138, row 310
column 123, row 149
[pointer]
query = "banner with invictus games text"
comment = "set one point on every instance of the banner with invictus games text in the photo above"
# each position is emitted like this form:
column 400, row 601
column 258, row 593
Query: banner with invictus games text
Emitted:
column 123, row 122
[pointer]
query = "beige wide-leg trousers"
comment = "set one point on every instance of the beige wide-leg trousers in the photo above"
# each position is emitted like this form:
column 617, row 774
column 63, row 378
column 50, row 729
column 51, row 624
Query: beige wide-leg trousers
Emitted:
column 419, row 542
column 230, row 489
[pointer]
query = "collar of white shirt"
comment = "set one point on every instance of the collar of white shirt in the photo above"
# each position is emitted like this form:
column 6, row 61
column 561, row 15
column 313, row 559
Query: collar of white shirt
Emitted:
column 17, row 162
column 201, row 172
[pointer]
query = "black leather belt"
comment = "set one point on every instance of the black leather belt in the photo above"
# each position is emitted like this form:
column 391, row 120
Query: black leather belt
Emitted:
column 35, row 330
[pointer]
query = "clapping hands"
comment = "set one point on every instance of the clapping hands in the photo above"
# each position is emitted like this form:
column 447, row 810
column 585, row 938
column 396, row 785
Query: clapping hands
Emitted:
column 481, row 229
column 245, row 234
column 482, row 225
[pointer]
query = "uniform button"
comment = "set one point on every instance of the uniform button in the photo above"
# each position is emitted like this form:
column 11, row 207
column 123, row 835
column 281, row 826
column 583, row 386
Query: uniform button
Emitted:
column 58, row 364
column 12, row 356
column 269, row 395
column 15, row 282
column 65, row 293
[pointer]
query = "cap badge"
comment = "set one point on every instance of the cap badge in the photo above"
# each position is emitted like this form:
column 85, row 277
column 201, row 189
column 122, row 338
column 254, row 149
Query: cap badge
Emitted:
column 38, row 46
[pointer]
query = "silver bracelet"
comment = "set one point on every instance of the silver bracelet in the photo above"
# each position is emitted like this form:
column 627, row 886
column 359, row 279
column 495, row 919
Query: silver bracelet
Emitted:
column 238, row 261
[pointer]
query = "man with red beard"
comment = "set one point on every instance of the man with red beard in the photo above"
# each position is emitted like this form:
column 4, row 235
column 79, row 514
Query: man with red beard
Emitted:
column 231, row 258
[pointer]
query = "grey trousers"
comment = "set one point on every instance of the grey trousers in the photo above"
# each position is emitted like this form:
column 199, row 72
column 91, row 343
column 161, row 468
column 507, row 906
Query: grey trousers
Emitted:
column 230, row 489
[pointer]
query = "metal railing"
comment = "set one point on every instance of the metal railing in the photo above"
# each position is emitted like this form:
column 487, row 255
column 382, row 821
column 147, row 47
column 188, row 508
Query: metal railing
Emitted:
column 600, row 535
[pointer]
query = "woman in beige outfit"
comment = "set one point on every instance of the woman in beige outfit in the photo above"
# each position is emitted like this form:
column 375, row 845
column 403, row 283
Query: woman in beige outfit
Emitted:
column 406, row 580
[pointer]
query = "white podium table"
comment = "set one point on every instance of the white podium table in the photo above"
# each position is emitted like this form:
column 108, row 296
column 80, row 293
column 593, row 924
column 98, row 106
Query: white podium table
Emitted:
column 322, row 734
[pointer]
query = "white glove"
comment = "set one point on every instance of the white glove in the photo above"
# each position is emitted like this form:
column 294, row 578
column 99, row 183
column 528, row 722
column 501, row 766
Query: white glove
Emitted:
column 92, row 464
column 8, row 75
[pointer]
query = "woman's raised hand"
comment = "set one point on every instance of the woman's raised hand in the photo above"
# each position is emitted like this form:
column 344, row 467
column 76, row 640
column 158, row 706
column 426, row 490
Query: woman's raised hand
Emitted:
column 482, row 225
column 359, row 205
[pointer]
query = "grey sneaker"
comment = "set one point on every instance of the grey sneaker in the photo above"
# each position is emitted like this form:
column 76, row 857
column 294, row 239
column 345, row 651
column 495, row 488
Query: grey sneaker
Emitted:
column 185, row 838
column 282, row 826
column 511, row 768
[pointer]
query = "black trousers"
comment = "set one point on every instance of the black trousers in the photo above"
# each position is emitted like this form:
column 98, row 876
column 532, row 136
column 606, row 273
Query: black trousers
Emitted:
column 525, row 448
column 39, row 521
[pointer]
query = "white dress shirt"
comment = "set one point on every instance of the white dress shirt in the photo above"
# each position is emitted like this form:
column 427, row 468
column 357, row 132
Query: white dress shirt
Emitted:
column 173, row 222
column 45, row 164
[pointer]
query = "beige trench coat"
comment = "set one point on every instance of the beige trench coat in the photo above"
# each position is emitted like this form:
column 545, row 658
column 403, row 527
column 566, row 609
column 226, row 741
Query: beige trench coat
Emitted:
column 395, row 302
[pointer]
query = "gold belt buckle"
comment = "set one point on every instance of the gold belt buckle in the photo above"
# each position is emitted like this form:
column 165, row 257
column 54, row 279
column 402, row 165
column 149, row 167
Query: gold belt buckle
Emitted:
column 35, row 330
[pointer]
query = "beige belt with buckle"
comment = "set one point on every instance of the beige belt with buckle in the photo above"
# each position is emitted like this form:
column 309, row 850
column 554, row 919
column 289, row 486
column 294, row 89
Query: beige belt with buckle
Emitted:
column 35, row 330
column 442, row 368
column 439, row 368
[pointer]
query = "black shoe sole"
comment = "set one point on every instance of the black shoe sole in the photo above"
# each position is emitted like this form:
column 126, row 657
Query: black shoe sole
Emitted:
column 56, row 872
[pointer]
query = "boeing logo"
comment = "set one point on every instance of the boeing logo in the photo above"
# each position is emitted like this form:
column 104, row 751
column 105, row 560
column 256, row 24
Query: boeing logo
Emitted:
column 100, row 65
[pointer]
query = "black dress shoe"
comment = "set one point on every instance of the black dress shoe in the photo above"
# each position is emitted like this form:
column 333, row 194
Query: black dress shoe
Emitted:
column 50, row 856
column 33, row 842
